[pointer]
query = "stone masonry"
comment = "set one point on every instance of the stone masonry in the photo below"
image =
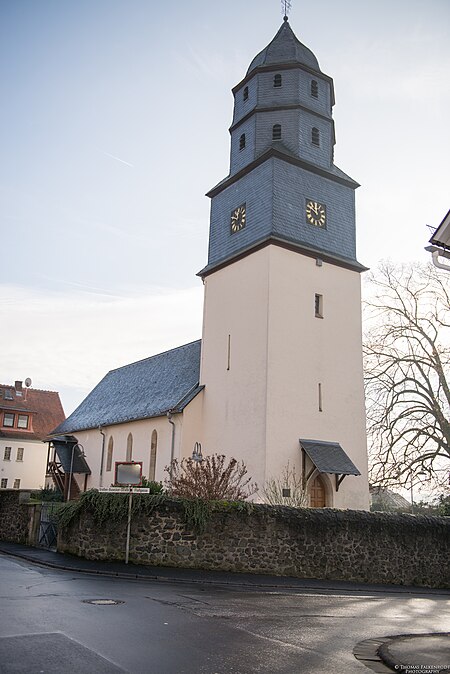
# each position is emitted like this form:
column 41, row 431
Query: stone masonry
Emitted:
column 304, row 543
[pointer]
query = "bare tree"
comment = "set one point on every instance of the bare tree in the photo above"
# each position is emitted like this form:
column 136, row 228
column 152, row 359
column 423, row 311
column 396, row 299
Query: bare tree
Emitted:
column 212, row 478
column 286, row 490
column 407, row 360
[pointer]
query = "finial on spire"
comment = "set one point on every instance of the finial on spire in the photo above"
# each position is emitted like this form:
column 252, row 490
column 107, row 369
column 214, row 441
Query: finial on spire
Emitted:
column 285, row 8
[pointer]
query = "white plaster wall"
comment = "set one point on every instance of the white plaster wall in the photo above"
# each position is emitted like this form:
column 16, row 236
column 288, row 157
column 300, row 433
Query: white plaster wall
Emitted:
column 142, row 432
column 234, row 400
column 305, row 351
column 30, row 471
column 268, row 399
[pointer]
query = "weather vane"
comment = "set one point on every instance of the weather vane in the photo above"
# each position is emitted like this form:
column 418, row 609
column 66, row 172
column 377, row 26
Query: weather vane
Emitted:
column 285, row 8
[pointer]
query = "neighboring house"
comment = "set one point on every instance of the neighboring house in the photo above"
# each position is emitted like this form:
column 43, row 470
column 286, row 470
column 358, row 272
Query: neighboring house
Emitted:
column 27, row 416
column 386, row 500
column 440, row 244
column 277, row 378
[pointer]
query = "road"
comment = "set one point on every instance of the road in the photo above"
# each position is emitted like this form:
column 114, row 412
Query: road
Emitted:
column 47, row 625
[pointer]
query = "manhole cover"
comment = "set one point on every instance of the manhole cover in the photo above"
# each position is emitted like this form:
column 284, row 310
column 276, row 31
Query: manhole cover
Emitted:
column 103, row 602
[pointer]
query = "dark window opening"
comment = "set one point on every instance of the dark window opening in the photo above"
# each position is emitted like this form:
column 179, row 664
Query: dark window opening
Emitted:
column 318, row 305
column 276, row 132
column 277, row 81
column 245, row 93
column 242, row 142
column 315, row 136
column 314, row 89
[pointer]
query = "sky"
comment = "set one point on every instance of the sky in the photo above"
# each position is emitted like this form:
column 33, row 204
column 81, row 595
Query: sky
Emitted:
column 114, row 123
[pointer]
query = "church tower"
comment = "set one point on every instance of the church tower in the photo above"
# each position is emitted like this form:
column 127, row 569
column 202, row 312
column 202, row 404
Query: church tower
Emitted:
column 281, row 351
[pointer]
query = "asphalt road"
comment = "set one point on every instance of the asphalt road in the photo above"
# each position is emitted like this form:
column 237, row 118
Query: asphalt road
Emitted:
column 48, row 626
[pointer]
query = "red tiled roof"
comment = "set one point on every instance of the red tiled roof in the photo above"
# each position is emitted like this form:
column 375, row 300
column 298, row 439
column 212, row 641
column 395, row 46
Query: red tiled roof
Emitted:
column 44, row 406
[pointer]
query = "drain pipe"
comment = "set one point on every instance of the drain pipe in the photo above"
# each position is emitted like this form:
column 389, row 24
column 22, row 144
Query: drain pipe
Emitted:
column 172, row 446
column 103, row 455
column 437, row 263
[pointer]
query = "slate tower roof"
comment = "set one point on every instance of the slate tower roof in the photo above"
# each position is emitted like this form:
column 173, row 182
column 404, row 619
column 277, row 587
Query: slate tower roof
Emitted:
column 285, row 48
column 282, row 163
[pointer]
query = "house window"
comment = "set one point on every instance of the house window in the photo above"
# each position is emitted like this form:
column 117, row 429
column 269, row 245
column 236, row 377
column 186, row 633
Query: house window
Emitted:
column 242, row 141
column 318, row 305
column 276, row 132
column 153, row 445
column 8, row 394
column 314, row 89
column 8, row 419
column 109, row 455
column 7, row 454
column 16, row 484
column 22, row 421
column 19, row 456
column 245, row 93
column 315, row 136
column 4, row 483
column 129, row 447
column 277, row 81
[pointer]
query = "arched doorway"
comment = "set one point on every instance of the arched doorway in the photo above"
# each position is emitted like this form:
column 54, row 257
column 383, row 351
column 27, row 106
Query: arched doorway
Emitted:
column 317, row 493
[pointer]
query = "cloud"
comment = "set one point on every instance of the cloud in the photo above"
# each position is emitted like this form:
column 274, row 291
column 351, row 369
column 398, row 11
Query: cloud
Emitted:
column 70, row 340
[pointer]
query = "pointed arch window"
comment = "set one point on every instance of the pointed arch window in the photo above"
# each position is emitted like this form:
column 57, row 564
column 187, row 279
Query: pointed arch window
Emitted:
column 245, row 96
column 277, row 81
column 153, row 446
column 276, row 132
column 109, row 454
column 315, row 136
column 314, row 89
column 129, row 447
column 242, row 141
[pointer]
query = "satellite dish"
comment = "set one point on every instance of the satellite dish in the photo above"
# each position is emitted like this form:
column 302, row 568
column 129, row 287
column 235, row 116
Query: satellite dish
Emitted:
column 27, row 382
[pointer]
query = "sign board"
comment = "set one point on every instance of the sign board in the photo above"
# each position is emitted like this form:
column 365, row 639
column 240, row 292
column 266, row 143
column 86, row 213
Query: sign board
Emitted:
column 125, row 490
column 128, row 474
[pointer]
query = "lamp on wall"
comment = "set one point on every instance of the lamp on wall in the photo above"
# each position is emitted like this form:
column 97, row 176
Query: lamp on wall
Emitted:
column 197, row 455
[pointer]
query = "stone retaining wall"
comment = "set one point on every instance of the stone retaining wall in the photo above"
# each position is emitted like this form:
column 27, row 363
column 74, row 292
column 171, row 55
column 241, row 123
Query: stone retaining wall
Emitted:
column 305, row 543
column 19, row 519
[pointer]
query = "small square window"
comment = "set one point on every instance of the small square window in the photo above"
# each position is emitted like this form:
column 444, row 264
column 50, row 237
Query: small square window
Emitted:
column 19, row 456
column 318, row 305
column 8, row 419
column 4, row 483
column 8, row 394
column 22, row 421
column 16, row 484
column 7, row 454
column 286, row 492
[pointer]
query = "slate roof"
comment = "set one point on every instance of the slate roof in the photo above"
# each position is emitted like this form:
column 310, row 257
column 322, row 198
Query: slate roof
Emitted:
column 329, row 457
column 285, row 48
column 381, row 496
column 44, row 407
column 441, row 236
column 148, row 388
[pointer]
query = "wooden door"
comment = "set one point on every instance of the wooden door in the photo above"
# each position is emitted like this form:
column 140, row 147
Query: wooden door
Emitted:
column 317, row 493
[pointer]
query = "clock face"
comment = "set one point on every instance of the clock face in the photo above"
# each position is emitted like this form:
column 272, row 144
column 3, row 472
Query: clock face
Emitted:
column 238, row 219
column 316, row 213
